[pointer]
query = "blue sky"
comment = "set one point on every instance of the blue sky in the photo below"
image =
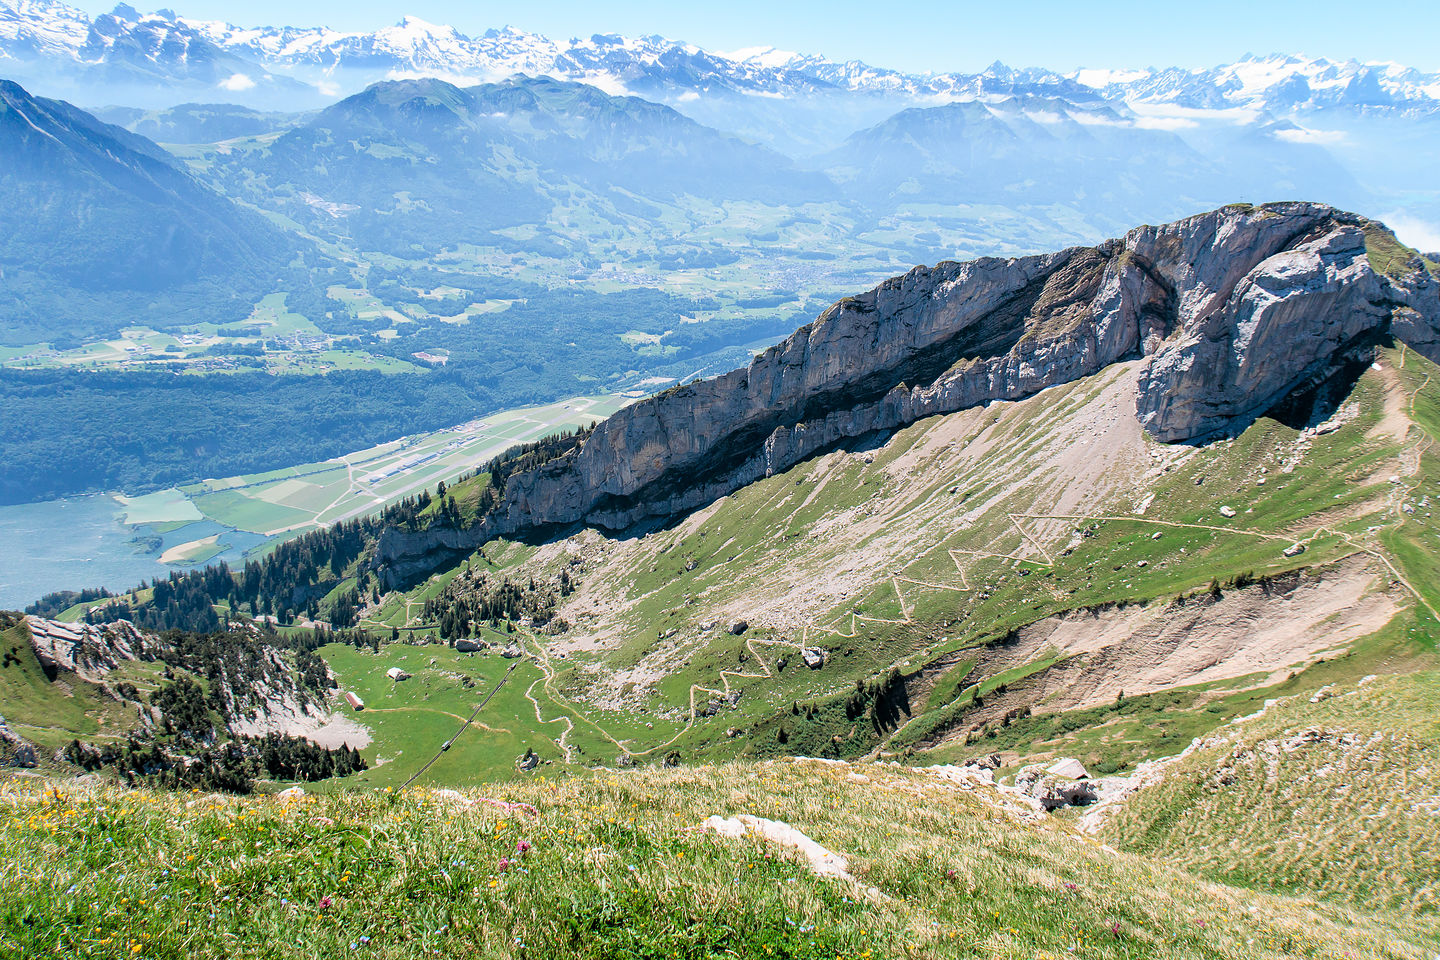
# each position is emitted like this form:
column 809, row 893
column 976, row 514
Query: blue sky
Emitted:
column 918, row 36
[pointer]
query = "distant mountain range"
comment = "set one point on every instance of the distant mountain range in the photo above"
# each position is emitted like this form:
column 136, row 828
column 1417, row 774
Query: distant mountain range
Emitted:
column 521, row 145
column 256, row 64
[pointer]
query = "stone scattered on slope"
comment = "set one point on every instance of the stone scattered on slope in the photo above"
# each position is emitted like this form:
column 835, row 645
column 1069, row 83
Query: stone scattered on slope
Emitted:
column 1054, row 791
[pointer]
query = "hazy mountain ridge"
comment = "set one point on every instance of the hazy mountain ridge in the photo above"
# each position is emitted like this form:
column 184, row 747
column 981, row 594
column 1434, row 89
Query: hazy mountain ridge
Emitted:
column 479, row 159
column 156, row 243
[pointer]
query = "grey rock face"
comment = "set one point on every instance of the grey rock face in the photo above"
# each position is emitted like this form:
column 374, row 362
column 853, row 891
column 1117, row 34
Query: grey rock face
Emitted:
column 1234, row 309
column 1282, row 321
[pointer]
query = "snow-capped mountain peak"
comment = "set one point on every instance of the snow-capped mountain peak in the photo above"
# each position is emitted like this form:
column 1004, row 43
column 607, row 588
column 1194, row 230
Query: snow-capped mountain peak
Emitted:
column 163, row 47
column 1278, row 83
column 41, row 27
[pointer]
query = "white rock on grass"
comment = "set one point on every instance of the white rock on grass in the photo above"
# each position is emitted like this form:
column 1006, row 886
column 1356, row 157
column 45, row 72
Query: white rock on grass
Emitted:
column 825, row 863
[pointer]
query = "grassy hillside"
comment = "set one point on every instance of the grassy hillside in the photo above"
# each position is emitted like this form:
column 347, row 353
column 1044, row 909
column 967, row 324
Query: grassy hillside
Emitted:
column 1035, row 578
column 616, row 868
column 1333, row 798
column 969, row 551
column 410, row 719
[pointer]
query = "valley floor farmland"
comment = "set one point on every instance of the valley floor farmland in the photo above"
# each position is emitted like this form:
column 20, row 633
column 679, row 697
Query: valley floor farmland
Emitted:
column 112, row 541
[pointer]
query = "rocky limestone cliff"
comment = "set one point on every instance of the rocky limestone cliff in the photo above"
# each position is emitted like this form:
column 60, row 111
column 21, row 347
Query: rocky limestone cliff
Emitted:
column 1234, row 309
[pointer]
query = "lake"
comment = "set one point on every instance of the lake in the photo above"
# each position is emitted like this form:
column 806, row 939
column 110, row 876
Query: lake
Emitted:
column 84, row 542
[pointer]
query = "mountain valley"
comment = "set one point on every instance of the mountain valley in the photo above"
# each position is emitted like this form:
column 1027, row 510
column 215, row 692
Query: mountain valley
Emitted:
column 478, row 494
column 940, row 610
column 910, row 579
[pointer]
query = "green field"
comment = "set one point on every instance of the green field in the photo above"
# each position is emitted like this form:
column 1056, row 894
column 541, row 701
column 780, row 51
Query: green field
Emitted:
column 307, row 495
column 411, row 719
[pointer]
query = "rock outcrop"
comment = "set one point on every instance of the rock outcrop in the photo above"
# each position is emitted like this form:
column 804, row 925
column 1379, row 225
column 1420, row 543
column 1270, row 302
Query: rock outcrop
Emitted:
column 255, row 696
column 1055, row 789
column 90, row 651
column 1241, row 343
column 1235, row 309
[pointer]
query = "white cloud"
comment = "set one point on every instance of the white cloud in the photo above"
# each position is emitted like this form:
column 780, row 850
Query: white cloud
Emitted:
column 237, row 82
column 688, row 96
column 1098, row 120
column 1165, row 123
column 1172, row 111
column 1423, row 235
column 328, row 88
column 1303, row 135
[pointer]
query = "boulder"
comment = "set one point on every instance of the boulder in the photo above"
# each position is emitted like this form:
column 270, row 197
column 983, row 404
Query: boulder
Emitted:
column 25, row 755
column 1057, row 790
column 469, row 646
column 814, row 657
column 991, row 761
column 1054, row 793
column 1027, row 776
column 823, row 862
column 512, row 651
column 1227, row 512
column 1294, row 550
column 739, row 627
